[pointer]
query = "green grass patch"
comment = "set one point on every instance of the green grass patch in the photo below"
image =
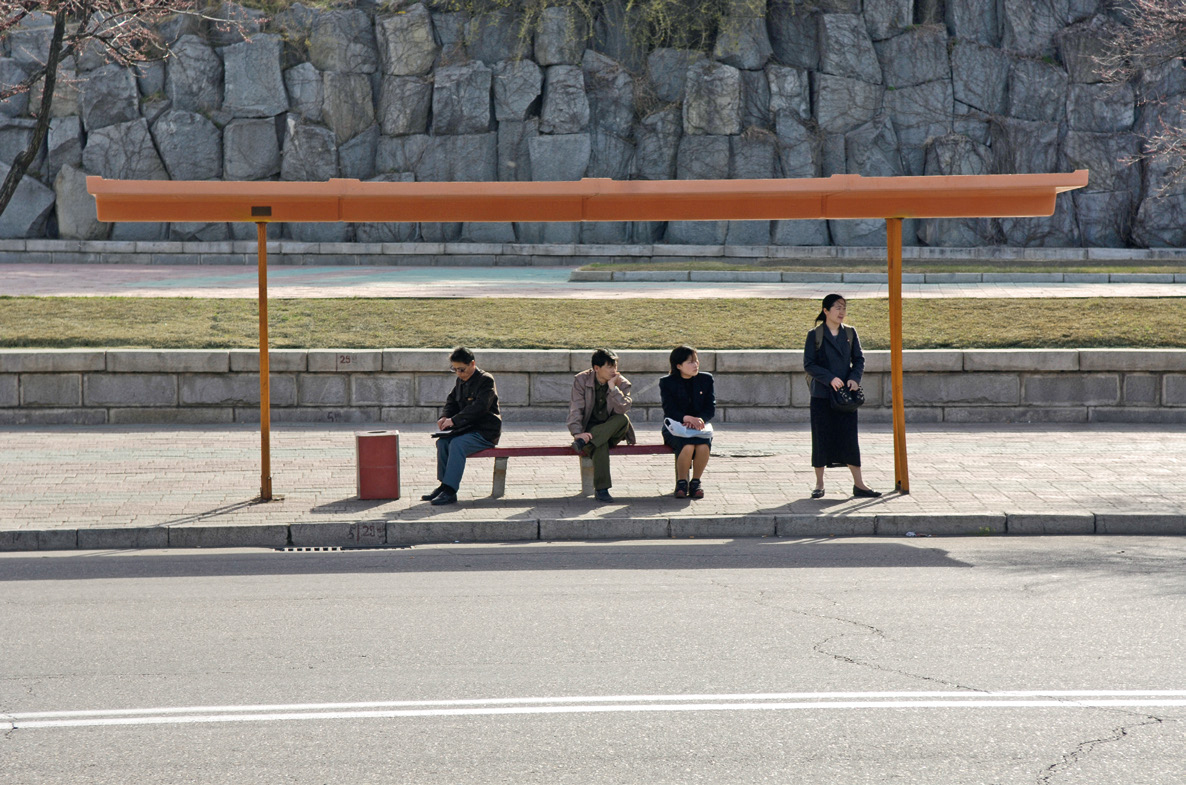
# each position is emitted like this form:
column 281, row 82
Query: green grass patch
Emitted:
column 183, row 323
column 907, row 266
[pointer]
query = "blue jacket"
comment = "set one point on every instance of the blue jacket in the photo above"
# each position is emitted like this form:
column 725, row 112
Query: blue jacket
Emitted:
column 832, row 360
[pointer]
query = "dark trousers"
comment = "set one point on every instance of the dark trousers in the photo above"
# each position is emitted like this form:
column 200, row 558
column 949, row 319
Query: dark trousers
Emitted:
column 452, row 452
column 605, row 436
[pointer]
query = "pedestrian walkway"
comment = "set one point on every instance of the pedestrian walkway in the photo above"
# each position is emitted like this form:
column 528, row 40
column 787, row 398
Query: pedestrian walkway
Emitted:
column 113, row 486
column 294, row 281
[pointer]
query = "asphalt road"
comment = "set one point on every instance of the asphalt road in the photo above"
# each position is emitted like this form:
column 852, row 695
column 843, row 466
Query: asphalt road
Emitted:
column 937, row 660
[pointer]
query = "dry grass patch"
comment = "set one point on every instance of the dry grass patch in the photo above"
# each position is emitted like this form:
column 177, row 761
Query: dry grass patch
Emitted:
column 181, row 323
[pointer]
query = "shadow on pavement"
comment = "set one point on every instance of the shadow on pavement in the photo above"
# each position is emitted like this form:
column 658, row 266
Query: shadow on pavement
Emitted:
column 768, row 554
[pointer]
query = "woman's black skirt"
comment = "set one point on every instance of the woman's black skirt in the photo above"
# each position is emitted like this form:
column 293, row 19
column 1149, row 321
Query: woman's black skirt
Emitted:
column 833, row 436
column 677, row 443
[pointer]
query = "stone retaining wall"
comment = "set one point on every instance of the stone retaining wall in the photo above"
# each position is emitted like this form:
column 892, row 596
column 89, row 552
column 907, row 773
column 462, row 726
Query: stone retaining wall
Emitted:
column 407, row 91
column 97, row 386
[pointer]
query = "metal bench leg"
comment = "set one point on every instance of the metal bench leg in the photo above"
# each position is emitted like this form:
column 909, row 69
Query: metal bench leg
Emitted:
column 500, row 478
column 586, row 476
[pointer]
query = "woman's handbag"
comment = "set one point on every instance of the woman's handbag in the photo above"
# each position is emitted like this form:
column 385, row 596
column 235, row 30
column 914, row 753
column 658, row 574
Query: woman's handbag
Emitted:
column 684, row 432
column 846, row 400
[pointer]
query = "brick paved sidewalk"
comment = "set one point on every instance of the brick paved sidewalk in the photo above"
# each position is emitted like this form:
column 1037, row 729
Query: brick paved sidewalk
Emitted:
column 114, row 486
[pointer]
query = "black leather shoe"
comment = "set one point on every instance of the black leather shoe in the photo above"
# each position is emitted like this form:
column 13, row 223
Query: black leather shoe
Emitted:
column 602, row 495
column 430, row 496
column 578, row 445
column 445, row 498
column 865, row 493
column 817, row 493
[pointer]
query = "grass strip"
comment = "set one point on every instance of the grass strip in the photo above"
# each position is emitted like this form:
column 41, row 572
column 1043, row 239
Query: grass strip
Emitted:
column 908, row 266
column 192, row 323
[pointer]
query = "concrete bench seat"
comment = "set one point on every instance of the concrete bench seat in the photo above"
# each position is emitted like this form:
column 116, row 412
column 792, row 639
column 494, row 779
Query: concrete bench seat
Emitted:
column 502, row 454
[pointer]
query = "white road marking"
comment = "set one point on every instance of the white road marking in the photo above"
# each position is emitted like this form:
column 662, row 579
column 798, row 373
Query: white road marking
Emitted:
column 596, row 705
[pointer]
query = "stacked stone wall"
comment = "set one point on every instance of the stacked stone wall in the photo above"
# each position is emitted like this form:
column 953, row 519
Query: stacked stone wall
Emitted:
column 96, row 387
column 792, row 88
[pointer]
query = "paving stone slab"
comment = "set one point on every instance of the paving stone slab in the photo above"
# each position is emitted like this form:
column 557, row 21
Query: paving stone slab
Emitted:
column 415, row 532
column 52, row 361
column 338, row 534
column 110, row 539
column 1050, row 523
column 1022, row 360
column 167, row 361
column 718, row 527
column 18, row 540
column 57, row 540
column 53, row 416
column 604, row 529
column 1154, row 523
column 808, row 525
column 1132, row 360
column 790, row 277
column 945, row 523
column 279, row 360
column 245, row 536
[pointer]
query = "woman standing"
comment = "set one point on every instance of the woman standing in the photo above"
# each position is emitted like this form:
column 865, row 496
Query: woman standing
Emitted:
column 833, row 359
column 688, row 398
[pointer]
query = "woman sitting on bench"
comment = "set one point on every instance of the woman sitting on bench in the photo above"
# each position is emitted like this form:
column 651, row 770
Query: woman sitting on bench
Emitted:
column 689, row 400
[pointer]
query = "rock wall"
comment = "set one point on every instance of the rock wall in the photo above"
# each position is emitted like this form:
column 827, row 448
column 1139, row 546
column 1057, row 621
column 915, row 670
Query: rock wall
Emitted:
column 97, row 386
column 792, row 88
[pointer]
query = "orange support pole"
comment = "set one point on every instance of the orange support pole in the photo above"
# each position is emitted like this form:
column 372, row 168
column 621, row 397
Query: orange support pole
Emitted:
column 265, row 378
column 893, row 232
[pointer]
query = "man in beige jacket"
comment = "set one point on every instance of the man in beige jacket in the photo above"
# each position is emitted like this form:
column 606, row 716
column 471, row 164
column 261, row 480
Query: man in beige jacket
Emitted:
column 597, row 416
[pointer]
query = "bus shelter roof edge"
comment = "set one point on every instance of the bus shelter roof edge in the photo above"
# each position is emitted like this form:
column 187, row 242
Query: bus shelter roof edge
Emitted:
column 835, row 197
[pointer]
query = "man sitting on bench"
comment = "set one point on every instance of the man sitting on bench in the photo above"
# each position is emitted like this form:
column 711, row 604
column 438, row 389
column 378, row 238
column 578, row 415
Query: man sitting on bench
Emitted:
column 597, row 416
column 472, row 420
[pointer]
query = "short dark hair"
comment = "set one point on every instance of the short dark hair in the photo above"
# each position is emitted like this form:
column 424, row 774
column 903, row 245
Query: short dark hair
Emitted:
column 679, row 356
column 461, row 355
column 604, row 356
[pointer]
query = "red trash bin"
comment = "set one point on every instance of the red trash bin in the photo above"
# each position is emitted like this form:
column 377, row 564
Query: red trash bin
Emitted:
column 378, row 464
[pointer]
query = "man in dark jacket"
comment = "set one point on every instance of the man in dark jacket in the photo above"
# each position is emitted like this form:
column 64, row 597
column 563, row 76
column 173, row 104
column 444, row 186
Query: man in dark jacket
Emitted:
column 472, row 420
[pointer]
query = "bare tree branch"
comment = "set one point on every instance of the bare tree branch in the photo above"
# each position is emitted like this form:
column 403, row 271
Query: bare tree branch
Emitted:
column 1153, row 34
column 124, row 29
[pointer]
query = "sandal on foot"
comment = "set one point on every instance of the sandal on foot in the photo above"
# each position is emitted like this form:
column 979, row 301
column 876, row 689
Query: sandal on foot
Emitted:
column 694, row 490
column 681, row 489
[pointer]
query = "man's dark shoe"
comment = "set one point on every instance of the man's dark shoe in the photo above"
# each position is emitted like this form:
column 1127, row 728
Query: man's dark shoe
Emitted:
column 578, row 445
column 602, row 495
column 865, row 493
column 436, row 492
column 445, row 497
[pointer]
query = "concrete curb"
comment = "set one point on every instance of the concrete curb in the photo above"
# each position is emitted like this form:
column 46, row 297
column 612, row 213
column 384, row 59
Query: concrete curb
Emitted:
column 395, row 533
column 418, row 254
column 785, row 276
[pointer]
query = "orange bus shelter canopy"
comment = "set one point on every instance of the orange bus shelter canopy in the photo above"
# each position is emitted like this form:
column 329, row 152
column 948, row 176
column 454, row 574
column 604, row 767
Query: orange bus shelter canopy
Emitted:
column 838, row 196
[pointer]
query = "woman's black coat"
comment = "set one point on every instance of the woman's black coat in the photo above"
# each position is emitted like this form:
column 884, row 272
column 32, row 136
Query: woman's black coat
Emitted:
column 832, row 360
column 676, row 402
